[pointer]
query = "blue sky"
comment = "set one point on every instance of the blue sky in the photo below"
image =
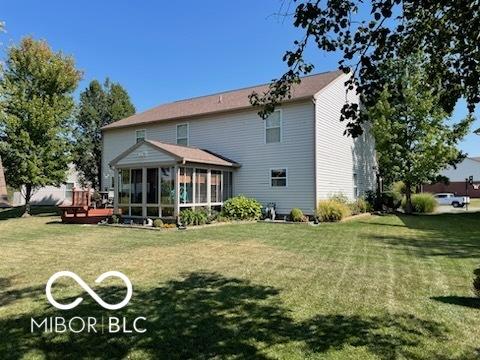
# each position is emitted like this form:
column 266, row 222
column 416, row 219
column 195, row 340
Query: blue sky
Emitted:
column 163, row 51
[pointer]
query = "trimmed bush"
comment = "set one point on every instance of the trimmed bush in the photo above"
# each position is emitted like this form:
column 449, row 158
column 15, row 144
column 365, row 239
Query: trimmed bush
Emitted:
column 242, row 208
column 193, row 217
column 157, row 223
column 331, row 210
column 297, row 215
column 476, row 282
column 115, row 219
column 422, row 203
column 359, row 206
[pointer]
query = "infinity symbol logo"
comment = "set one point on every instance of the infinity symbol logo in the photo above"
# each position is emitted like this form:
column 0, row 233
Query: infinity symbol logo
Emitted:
column 88, row 289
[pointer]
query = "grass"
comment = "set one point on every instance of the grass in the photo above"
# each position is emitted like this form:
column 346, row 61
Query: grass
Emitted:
column 390, row 287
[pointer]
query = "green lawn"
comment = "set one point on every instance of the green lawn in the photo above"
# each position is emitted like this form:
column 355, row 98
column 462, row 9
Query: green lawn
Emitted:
column 375, row 288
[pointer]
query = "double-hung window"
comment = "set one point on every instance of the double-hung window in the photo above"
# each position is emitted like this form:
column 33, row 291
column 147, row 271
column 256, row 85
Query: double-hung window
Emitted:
column 355, row 185
column 140, row 135
column 278, row 177
column 273, row 128
column 182, row 134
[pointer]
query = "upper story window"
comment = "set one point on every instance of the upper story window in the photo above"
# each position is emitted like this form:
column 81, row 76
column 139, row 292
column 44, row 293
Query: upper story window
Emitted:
column 278, row 177
column 140, row 135
column 273, row 127
column 182, row 134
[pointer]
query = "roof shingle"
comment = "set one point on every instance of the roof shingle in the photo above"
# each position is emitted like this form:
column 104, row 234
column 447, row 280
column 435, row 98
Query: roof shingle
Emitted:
column 183, row 154
column 222, row 102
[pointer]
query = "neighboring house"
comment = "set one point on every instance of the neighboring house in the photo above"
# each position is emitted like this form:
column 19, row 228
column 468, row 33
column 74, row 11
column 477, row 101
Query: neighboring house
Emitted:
column 3, row 188
column 470, row 166
column 52, row 195
column 199, row 152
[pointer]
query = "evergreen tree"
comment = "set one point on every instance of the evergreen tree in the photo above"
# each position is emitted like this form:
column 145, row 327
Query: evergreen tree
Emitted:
column 99, row 106
column 36, row 103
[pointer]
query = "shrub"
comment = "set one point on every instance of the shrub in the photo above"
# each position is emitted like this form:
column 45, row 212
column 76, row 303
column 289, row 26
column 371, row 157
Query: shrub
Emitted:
column 115, row 219
column 476, row 282
column 331, row 210
column 193, row 217
column 297, row 215
column 422, row 203
column 339, row 197
column 391, row 199
column 242, row 208
column 359, row 206
column 157, row 223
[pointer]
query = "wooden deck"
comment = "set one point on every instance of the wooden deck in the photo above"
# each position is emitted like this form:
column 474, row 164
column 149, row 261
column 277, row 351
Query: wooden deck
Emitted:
column 81, row 211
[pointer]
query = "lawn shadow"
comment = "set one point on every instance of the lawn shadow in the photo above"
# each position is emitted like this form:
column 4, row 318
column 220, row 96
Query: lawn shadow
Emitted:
column 435, row 235
column 471, row 302
column 206, row 315
column 18, row 211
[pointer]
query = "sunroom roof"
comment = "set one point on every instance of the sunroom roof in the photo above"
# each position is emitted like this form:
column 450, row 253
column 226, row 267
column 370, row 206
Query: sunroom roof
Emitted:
column 142, row 153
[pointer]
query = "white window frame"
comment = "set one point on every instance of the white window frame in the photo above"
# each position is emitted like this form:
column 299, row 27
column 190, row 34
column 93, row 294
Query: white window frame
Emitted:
column 271, row 177
column 281, row 129
column 144, row 136
column 188, row 134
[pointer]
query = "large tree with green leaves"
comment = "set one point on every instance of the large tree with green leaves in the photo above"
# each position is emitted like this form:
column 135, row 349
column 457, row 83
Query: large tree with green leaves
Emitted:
column 414, row 138
column 370, row 33
column 99, row 106
column 36, row 104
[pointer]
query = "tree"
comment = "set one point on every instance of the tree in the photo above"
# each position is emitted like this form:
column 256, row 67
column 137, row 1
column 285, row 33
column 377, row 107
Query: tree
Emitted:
column 99, row 106
column 414, row 139
column 446, row 31
column 36, row 103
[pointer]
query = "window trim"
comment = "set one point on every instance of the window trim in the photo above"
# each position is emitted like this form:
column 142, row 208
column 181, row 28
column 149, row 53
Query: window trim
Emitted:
column 286, row 177
column 280, row 111
column 188, row 134
column 136, row 137
column 356, row 194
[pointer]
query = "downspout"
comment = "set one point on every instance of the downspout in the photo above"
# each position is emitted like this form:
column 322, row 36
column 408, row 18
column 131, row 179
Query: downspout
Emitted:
column 315, row 174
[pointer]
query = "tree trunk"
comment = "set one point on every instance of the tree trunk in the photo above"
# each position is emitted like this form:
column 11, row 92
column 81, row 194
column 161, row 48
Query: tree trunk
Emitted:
column 28, row 197
column 408, row 198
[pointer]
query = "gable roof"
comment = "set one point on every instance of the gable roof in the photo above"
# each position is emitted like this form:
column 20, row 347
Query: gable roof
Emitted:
column 182, row 154
column 222, row 102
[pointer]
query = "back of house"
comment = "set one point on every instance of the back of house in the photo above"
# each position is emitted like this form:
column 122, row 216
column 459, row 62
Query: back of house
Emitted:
column 199, row 152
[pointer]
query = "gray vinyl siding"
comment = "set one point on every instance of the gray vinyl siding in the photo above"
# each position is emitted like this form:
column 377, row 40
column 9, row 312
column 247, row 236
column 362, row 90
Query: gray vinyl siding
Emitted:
column 240, row 136
column 145, row 154
column 339, row 156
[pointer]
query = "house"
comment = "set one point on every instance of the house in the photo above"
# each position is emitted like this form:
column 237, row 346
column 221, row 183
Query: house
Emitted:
column 52, row 195
column 3, row 188
column 470, row 166
column 199, row 152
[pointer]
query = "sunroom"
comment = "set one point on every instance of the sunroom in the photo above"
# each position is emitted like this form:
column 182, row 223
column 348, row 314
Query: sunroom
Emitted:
column 155, row 179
